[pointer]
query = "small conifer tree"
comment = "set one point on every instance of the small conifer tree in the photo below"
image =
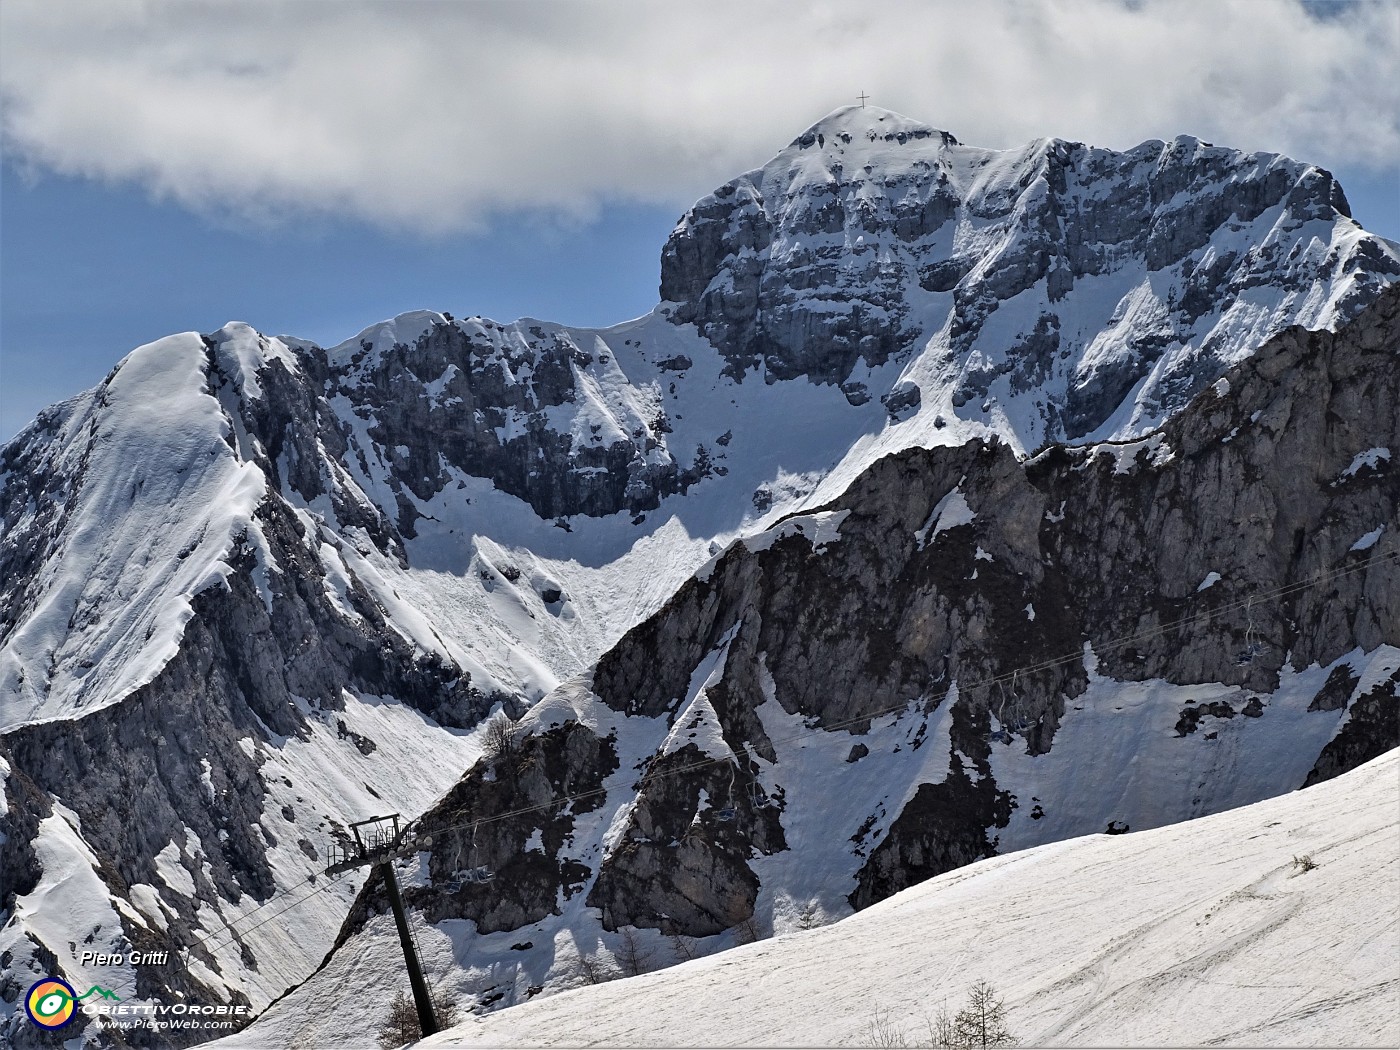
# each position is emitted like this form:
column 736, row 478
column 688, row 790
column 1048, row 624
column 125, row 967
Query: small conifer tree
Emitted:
column 982, row 1022
column 402, row 1024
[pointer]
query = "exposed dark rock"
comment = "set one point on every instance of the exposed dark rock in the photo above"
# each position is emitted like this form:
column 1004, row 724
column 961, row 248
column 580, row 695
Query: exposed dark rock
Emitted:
column 680, row 867
column 879, row 618
column 568, row 761
column 942, row 828
column 1372, row 728
column 1337, row 690
column 856, row 393
column 490, row 420
column 903, row 401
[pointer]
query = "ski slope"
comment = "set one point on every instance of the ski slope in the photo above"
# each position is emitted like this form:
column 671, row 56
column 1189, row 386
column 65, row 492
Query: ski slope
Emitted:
column 1204, row 933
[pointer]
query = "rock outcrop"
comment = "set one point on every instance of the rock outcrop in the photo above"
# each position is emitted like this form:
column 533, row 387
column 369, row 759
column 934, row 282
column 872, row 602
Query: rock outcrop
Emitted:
column 518, row 405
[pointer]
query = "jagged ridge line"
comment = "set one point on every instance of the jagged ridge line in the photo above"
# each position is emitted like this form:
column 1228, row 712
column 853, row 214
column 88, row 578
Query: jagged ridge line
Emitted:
column 647, row 779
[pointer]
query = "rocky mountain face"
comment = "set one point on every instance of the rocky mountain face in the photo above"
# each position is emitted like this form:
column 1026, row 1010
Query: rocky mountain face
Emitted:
column 508, row 404
column 253, row 589
column 931, row 668
column 872, row 234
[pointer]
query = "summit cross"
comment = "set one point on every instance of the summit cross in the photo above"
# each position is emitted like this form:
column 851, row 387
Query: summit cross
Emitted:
column 862, row 96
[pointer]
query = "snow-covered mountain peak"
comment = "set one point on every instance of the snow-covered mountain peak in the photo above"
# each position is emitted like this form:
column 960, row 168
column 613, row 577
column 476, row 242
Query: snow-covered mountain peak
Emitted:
column 1049, row 292
column 401, row 328
column 866, row 149
column 131, row 509
column 240, row 352
column 857, row 130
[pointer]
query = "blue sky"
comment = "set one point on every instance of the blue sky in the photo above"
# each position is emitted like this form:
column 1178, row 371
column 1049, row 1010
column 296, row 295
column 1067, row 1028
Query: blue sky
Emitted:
column 89, row 271
column 176, row 165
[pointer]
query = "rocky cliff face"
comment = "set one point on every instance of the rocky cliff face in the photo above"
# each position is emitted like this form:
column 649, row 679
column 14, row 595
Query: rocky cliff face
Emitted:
column 520, row 405
column 967, row 652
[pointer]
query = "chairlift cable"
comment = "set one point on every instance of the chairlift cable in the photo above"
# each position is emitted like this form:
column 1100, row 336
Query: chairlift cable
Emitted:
column 239, row 934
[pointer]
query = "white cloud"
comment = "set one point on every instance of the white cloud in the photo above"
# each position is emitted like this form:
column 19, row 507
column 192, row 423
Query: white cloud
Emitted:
column 435, row 115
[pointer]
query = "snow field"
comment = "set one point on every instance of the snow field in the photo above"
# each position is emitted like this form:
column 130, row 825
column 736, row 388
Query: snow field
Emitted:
column 1204, row 933
column 1118, row 756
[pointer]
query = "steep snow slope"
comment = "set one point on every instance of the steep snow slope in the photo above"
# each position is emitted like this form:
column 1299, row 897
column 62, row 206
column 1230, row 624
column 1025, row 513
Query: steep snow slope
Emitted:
column 128, row 499
column 1199, row 934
